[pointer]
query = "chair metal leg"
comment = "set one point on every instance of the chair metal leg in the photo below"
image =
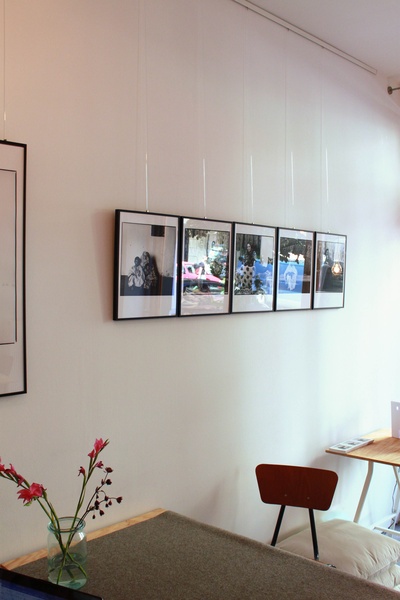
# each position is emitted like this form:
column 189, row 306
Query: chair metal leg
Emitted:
column 313, row 534
column 278, row 525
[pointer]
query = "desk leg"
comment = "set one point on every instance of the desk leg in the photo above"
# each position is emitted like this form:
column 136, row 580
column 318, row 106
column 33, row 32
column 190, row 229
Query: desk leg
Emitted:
column 394, row 516
column 364, row 491
column 396, row 507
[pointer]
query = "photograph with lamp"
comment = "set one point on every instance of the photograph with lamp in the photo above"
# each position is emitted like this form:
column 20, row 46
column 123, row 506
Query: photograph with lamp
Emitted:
column 330, row 262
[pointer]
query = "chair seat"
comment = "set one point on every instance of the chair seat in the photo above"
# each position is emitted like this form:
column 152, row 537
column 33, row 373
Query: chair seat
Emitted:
column 351, row 548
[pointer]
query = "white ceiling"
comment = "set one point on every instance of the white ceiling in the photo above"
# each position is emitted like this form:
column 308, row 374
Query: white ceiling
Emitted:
column 368, row 30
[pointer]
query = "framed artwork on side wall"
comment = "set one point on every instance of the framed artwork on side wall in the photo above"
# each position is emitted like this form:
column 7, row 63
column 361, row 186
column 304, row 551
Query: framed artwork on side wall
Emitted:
column 145, row 265
column 330, row 268
column 205, row 284
column 12, row 268
column 253, row 274
column 295, row 269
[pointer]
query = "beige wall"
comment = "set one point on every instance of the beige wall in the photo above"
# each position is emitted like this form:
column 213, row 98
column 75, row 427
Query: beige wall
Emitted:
column 192, row 405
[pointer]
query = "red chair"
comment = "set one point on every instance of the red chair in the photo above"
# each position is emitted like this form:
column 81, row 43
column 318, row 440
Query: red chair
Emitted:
column 303, row 487
column 341, row 543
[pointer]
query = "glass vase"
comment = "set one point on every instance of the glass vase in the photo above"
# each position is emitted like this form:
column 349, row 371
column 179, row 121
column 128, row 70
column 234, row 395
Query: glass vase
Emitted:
column 67, row 553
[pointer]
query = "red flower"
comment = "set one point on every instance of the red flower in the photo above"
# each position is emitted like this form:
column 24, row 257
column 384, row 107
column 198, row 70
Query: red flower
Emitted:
column 99, row 445
column 11, row 471
column 34, row 491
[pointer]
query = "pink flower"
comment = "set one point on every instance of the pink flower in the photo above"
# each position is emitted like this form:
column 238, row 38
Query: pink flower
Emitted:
column 99, row 445
column 34, row 491
column 11, row 471
column 98, row 501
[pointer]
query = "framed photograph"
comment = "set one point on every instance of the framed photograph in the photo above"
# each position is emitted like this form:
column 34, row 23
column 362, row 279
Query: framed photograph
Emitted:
column 205, row 248
column 253, row 273
column 330, row 267
column 145, row 265
column 295, row 269
column 12, row 268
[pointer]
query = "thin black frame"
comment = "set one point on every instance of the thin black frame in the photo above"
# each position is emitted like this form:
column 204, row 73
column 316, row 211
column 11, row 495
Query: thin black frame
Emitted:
column 13, row 371
column 205, row 267
column 295, row 269
column 330, row 270
column 253, row 274
column 145, row 265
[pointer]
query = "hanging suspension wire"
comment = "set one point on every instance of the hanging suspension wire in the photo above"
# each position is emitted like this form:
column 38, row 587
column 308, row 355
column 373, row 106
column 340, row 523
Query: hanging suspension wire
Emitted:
column 4, row 71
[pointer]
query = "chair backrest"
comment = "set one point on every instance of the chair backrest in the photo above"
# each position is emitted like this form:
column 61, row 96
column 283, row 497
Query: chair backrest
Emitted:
column 305, row 487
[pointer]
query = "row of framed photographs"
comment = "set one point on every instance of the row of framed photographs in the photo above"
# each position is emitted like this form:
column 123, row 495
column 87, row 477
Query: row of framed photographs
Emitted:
column 167, row 266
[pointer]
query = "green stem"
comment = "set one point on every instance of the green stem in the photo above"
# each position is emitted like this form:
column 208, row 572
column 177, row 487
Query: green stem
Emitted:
column 66, row 554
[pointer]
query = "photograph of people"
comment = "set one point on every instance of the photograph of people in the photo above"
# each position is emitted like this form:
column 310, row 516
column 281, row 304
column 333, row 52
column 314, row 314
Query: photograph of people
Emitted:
column 254, row 265
column 245, row 274
column 204, row 262
column 145, row 265
column 330, row 263
column 205, row 285
column 143, row 276
column 147, row 260
column 295, row 269
column 295, row 265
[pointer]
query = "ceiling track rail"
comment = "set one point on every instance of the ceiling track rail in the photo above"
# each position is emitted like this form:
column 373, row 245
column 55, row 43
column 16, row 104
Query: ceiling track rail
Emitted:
column 305, row 34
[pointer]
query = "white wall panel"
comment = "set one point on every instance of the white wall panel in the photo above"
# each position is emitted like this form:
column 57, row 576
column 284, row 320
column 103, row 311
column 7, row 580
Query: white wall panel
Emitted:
column 265, row 114
column 192, row 405
column 170, row 103
column 303, row 132
column 221, row 143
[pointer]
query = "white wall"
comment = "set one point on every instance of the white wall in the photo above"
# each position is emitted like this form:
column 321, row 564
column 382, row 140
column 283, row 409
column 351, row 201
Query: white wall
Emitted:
column 192, row 405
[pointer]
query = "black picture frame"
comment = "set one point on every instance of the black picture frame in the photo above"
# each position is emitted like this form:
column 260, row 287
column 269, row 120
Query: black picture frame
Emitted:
column 13, row 371
column 205, row 267
column 330, row 270
column 295, row 270
column 253, row 273
column 145, row 265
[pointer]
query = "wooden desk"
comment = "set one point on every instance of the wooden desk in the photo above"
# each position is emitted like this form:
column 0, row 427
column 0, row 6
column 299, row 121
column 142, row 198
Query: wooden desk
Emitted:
column 384, row 450
column 171, row 557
